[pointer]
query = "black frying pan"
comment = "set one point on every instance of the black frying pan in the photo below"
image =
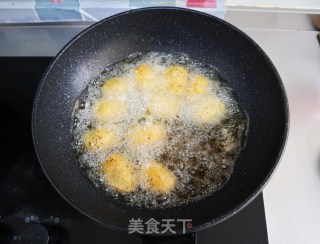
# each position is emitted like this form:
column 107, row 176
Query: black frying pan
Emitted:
column 204, row 38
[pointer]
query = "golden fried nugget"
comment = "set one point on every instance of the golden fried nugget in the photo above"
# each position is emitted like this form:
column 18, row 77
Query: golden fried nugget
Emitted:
column 119, row 173
column 208, row 109
column 164, row 106
column 115, row 87
column 112, row 110
column 159, row 179
column 147, row 134
column 176, row 77
column 198, row 85
column 99, row 139
column 229, row 141
column 145, row 76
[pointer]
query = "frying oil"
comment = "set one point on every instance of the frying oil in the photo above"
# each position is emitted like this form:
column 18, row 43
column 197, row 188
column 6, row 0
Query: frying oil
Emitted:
column 201, row 157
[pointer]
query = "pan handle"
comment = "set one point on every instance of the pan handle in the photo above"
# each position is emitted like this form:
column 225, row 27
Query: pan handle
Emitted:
column 190, row 238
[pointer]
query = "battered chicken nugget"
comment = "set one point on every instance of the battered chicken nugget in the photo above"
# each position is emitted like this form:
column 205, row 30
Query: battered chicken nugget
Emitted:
column 110, row 110
column 208, row 109
column 176, row 77
column 159, row 179
column 198, row 85
column 228, row 142
column 119, row 173
column 164, row 106
column 147, row 134
column 99, row 139
column 115, row 87
column 145, row 76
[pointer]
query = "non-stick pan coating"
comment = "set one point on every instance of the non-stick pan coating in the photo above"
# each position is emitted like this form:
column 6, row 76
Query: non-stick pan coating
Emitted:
column 204, row 38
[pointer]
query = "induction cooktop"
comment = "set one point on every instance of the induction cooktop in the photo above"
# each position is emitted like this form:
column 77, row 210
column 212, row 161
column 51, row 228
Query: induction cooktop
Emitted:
column 31, row 211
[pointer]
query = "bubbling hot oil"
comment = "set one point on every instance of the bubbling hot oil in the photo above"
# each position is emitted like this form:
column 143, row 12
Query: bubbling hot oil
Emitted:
column 201, row 157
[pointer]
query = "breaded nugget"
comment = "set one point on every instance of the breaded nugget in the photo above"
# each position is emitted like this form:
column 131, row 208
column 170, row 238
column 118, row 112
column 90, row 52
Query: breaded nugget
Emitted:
column 228, row 141
column 119, row 173
column 110, row 110
column 147, row 134
column 197, row 85
column 164, row 106
column 176, row 77
column 115, row 87
column 99, row 139
column 208, row 109
column 145, row 76
column 159, row 179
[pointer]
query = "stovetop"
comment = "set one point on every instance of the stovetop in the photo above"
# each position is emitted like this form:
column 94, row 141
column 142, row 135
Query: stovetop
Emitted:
column 30, row 209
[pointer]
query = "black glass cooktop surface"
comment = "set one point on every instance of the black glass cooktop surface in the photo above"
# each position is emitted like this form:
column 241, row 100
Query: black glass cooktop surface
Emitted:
column 30, row 209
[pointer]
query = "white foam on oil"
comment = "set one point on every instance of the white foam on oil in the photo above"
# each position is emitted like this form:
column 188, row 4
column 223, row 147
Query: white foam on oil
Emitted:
column 201, row 156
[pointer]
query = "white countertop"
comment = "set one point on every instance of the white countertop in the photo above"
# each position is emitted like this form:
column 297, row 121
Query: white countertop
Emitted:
column 292, row 197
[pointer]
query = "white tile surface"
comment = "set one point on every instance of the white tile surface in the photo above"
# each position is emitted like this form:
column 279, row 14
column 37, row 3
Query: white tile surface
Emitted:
column 292, row 197
column 294, row 4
